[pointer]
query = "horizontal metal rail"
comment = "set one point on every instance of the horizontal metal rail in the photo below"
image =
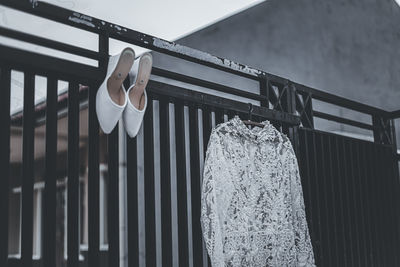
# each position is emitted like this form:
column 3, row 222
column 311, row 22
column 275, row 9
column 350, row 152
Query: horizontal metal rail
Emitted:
column 207, row 84
column 166, row 90
column 43, row 64
column 340, row 101
column 395, row 114
column 49, row 43
column 342, row 120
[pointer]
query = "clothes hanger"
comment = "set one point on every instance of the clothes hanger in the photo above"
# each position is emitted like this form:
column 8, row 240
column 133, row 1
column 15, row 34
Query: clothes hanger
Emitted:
column 249, row 121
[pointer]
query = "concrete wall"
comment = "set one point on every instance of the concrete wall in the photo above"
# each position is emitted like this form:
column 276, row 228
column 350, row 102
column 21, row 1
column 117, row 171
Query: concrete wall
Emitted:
column 346, row 47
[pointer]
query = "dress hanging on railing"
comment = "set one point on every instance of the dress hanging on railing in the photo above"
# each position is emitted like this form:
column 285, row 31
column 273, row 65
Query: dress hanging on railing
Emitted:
column 252, row 201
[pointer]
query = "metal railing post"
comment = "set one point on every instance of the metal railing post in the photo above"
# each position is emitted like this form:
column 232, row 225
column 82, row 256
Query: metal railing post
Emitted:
column 123, row 211
column 382, row 129
column 5, row 85
column 294, row 130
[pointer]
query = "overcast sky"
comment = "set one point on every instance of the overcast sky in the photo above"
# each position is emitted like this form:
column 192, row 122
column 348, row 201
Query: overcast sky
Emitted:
column 167, row 19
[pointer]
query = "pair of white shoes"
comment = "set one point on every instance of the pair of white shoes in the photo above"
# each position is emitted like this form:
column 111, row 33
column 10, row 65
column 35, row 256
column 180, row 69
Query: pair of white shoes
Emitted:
column 114, row 102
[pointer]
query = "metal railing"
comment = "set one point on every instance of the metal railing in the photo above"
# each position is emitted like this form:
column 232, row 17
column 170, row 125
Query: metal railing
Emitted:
column 292, row 112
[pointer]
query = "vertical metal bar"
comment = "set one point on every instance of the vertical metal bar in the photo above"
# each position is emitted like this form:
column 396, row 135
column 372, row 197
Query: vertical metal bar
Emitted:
column 27, row 170
column 338, row 203
column 396, row 196
column 388, row 202
column 374, row 206
column 285, row 96
column 376, row 200
column 264, row 91
column 293, row 130
column 5, row 83
column 380, row 202
column 338, row 163
column 286, row 104
column 73, row 175
column 93, row 182
column 348, row 212
column 315, row 177
column 49, row 211
column 219, row 116
column 377, row 129
column 230, row 114
column 206, row 127
column 384, row 205
column 327, row 221
column 333, row 200
column 93, row 164
column 306, row 182
column 396, row 192
column 133, row 211
column 393, row 135
column 386, row 231
column 149, row 185
column 392, row 206
column 195, row 186
column 366, row 200
column 113, row 198
column 378, row 172
column 358, row 185
column 309, row 110
column 207, row 121
column 392, row 188
column 181, row 184
column 355, row 212
column 166, row 227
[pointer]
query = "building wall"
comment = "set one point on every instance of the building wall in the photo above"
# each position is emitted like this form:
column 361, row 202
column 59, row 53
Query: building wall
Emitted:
column 346, row 47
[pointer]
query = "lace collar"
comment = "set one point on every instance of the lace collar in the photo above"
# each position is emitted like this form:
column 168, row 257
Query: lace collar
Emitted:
column 240, row 125
column 237, row 127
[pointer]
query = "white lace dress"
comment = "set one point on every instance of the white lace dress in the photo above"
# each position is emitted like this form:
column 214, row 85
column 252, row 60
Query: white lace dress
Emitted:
column 252, row 210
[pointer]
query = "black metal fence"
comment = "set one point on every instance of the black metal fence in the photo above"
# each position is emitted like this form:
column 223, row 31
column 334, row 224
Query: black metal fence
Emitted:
column 351, row 187
column 351, row 190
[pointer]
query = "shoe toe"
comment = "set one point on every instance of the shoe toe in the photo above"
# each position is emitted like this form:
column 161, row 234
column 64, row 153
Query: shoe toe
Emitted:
column 108, row 112
column 133, row 117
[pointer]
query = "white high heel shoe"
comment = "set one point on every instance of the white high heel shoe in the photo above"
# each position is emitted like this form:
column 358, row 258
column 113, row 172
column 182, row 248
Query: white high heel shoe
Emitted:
column 137, row 97
column 111, row 98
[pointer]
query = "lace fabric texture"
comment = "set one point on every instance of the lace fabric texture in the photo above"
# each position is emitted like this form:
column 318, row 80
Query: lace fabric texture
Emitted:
column 252, row 210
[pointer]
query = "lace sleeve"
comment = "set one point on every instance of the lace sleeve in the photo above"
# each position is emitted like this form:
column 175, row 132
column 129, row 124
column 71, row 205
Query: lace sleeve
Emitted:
column 209, row 215
column 304, row 250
